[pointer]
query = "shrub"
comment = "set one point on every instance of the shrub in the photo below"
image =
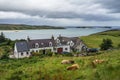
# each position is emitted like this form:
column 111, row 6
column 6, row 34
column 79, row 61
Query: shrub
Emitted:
column 49, row 54
column 118, row 45
column 67, row 54
column 106, row 44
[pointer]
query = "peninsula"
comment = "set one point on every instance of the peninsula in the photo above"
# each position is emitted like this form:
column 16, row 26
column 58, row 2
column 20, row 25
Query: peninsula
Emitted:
column 26, row 27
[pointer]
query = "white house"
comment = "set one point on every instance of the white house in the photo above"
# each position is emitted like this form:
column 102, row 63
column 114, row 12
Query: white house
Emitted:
column 21, row 50
column 59, row 45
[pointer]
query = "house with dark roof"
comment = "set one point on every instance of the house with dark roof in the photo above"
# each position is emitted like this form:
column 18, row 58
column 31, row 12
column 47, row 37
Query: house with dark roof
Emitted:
column 59, row 45
column 21, row 49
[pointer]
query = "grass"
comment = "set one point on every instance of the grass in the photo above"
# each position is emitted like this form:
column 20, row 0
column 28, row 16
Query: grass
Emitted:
column 50, row 68
column 95, row 40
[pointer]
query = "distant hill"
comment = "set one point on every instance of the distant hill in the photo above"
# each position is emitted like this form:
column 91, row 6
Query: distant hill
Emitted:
column 89, row 27
column 25, row 27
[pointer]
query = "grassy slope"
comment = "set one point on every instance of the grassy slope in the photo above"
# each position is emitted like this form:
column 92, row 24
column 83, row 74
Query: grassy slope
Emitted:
column 96, row 39
column 24, row 27
column 50, row 68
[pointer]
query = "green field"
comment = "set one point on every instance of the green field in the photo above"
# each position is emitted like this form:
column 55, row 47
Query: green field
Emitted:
column 50, row 68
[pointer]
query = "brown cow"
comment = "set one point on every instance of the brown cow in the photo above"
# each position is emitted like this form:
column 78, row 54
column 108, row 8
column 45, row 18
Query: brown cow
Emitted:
column 67, row 62
column 73, row 67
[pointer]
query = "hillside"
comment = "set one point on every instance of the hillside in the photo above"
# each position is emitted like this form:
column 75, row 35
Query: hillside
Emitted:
column 95, row 40
column 25, row 27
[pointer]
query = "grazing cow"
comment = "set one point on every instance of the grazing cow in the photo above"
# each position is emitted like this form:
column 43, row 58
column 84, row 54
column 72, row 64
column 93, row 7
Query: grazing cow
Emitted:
column 95, row 62
column 67, row 62
column 73, row 67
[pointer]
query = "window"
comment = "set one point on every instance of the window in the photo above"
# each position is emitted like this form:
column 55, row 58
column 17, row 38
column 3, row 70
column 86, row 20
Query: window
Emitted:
column 32, row 50
column 42, row 44
column 27, row 53
column 71, row 43
column 36, row 45
column 58, row 41
column 66, row 48
column 37, row 51
column 50, row 43
column 21, row 54
column 68, row 43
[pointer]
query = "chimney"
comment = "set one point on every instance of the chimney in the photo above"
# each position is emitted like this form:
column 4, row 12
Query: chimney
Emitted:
column 52, row 37
column 28, row 38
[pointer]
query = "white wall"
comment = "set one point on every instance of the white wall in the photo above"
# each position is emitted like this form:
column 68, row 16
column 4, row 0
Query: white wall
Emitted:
column 18, row 55
column 64, row 46
column 37, row 49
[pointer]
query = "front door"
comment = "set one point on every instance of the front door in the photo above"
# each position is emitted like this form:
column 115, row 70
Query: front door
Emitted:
column 43, row 51
column 59, row 50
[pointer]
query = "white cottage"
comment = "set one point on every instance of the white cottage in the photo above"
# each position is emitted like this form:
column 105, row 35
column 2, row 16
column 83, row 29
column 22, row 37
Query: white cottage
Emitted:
column 60, row 45
column 21, row 49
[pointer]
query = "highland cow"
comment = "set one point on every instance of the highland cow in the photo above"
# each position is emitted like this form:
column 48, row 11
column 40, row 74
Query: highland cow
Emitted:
column 67, row 62
column 73, row 67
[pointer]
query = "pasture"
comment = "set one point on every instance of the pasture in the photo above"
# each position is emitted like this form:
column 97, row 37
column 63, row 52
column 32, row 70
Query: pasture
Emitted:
column 50, row 68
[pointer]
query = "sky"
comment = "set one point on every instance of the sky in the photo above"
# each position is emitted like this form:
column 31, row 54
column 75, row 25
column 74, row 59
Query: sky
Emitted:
column 60, row 12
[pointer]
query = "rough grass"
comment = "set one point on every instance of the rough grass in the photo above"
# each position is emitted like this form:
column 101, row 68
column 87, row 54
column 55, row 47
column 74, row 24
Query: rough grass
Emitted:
column 50, row 68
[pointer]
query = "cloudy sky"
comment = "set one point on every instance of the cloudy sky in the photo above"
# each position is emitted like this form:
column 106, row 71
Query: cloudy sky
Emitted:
column 61, row 12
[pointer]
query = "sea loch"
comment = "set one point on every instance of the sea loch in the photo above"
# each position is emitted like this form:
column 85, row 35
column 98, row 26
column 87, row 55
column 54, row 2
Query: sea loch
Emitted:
column 47, row 33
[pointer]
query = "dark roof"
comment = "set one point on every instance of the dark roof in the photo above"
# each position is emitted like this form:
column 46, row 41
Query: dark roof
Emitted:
column 41, row 42
column 22, row 46
column 64, row 40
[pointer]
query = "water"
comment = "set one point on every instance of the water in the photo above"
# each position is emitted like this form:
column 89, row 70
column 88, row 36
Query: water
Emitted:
column 43, row 34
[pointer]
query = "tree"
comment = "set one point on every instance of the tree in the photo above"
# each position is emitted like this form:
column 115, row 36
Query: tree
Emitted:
column 2, row 37
column 106, row 44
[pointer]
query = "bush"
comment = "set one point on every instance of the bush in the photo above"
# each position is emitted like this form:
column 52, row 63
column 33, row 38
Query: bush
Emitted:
column 49, row 54
column 106, row 44
column 118, row 45
column 4, row 56
column 67, row 54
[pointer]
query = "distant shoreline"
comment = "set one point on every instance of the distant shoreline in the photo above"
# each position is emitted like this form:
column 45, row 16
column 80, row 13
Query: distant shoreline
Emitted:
column 90, row 27
column 26, row 27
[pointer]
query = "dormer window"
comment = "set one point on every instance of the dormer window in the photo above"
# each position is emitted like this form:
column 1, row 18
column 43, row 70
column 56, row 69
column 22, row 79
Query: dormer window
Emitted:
column 68, row 43
column 42, row 44
column 50, row 43
column 58, row 41
column 63, row 40
column 71, row 43
column 36, row 45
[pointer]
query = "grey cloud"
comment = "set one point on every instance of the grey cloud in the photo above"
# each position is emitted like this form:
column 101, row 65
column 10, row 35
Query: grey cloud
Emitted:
column 113, row 5
column 58, row 14
column 70, row 15
column 87, row 17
